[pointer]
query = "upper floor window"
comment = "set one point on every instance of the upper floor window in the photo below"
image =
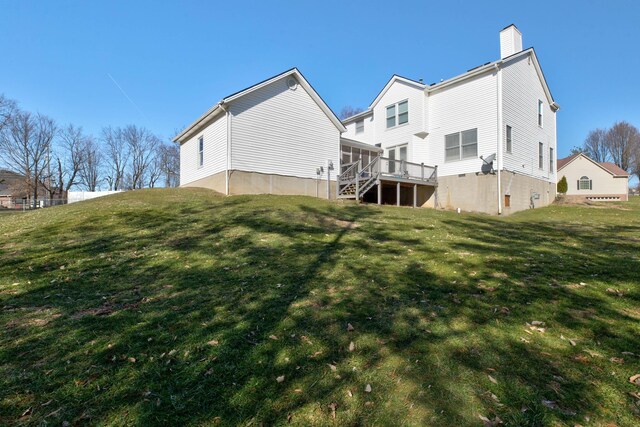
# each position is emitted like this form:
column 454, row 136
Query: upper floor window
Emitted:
column 540, row 113
column 461, row 145
column 360, row 126
column 201, row 151
column 397, row 113
column 584, row 183
column 540, row 155
column 509, row 139
column 550, row 159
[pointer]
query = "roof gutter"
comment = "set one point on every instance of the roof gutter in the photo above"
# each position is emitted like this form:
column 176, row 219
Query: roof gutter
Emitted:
column 197, row 123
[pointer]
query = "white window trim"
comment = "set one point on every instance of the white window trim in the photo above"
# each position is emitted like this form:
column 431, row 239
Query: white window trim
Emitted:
column 200, row 152
column 541, row 156
column 460, row 145
column 397, row 114
column 540, row 113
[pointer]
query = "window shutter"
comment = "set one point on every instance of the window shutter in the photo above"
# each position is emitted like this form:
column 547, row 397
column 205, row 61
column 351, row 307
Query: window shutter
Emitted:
column 578, row 184
column 590, row 185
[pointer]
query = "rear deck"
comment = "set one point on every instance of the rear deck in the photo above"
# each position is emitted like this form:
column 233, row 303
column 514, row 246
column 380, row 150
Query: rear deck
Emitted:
column 357, row 180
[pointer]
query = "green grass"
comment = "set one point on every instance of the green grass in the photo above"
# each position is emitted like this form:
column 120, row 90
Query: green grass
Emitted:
column 181, row 307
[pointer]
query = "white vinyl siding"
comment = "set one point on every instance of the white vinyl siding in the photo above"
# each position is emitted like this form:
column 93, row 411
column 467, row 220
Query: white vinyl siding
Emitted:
column 397, row 93
column 470, row 105
column 360, row 130
column 276, row 130
column 214, row 152
column 521, row 91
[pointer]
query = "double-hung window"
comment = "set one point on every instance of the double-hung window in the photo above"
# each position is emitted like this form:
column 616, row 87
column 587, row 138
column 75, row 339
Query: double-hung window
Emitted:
column 540, row 105
column 360, row 126
column 509, row 139
column 200, row 151
column 461, row 145
column 397, row 114
column 540, row 155
column 391, row 116
column 550, row 159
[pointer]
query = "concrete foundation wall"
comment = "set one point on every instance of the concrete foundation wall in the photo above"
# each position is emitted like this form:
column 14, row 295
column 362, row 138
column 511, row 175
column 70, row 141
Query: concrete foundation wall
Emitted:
column 479, row 193
column 242, row 182
column 213, row 182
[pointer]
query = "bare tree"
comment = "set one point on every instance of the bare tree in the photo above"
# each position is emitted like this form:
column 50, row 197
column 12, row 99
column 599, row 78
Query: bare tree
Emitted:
column 91, row 164
column 117, row 156
column 7, row 110
column 142, row 145
column 68, row 160
column 595, row 145
column 621, row 140
column 26, row 145
column 349, row 111
column 170, row 164
column 154, row 171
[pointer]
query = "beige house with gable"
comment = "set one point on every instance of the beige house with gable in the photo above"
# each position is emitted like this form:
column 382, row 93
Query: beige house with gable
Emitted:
column 590, row 180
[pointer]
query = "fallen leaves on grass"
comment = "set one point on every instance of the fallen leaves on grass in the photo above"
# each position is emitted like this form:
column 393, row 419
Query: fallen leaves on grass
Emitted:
column 350, row 327
column 490, row 422
column 615, row 291
column 493, row 380
column 635, row 379
column 367, row 388
column 352, row 346
column 280, row 378
column 273, row 337
column 212, row 342
column 333, row 407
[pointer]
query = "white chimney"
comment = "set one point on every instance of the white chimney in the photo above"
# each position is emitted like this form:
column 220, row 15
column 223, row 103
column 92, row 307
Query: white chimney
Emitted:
column 510, row 41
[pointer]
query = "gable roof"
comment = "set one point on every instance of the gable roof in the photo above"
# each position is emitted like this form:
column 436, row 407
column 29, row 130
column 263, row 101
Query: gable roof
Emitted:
column 219, row 107
column 609, row 167
column 470, row 73
column 614, row 169
column 564, row 161
column 392, row 80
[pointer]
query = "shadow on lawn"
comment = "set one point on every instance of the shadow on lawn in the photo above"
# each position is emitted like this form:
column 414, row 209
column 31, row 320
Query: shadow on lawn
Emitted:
column 197, row 319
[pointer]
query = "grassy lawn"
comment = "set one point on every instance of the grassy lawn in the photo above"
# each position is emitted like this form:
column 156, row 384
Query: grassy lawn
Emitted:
column 181, row 307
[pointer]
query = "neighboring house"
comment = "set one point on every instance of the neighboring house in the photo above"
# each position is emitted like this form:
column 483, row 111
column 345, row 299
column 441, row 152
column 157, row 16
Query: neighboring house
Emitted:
column 11, row 184
column 277, row 137
column 481, row 141
column 590, row 180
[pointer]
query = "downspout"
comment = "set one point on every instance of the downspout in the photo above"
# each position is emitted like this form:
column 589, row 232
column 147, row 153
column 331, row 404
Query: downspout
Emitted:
column 228, row 168
column 500, row 135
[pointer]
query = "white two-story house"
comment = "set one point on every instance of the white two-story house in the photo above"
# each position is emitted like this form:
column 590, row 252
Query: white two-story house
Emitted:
column 490, row 133
column 484, row 140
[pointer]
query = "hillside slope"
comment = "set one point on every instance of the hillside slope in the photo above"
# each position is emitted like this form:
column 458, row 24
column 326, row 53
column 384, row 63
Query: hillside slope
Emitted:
column 182, row 307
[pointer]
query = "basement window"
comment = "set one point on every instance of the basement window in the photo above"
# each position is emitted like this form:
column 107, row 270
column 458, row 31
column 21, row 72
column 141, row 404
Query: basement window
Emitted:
column 200, row 151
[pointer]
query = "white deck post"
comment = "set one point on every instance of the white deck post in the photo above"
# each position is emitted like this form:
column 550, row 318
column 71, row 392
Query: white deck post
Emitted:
column 398, row 194
column 358, row 182
column 415, row 195
column 379, row 192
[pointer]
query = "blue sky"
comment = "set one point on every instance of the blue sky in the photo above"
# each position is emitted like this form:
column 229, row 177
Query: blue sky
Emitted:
column 174, row 60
